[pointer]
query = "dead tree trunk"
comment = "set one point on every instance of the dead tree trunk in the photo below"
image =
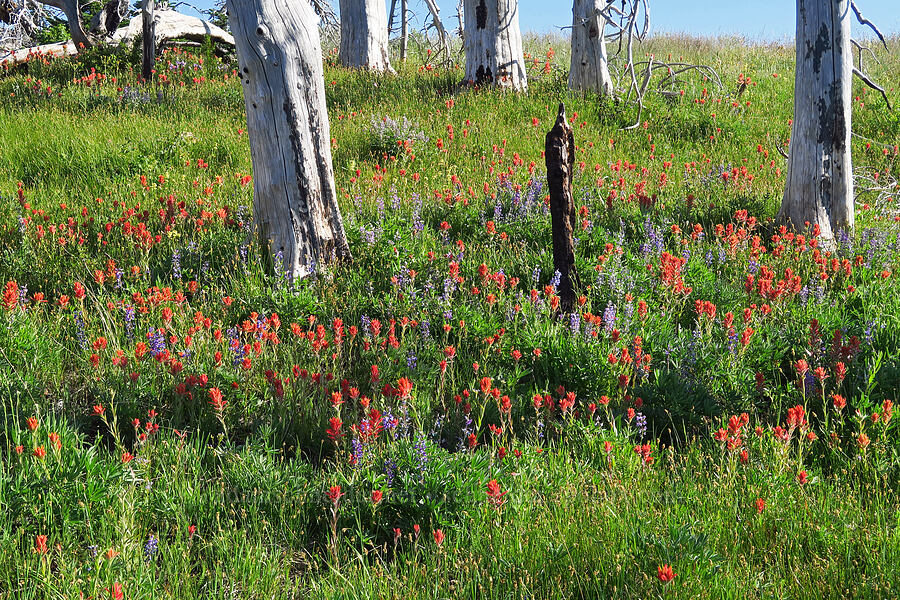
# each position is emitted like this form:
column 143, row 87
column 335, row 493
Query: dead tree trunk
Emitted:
column 493, row 44
column 559, row 154
column 819, row 186
column 404, row 30
column 72, row 10
column 148, row 39
column 364, row 36
column 589, row 69
column 294, row 201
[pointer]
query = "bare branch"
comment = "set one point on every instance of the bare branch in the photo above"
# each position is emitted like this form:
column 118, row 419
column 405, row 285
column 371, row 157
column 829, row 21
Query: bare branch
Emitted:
column 859, row 50
column 864, row 21
column 872, row 85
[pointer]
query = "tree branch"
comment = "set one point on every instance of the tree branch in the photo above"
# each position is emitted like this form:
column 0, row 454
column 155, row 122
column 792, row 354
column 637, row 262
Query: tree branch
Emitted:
column 872, row 85
column 864, row 21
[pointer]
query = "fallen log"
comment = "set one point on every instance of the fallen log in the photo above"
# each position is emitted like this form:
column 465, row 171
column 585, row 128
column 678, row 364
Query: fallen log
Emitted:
column 169, row 25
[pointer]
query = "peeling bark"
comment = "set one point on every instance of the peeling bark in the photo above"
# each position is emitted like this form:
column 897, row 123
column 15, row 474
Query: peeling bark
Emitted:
column 364, row 35
column 819, row 186
column 589, row 69
column 294, row 201
column 493, row 44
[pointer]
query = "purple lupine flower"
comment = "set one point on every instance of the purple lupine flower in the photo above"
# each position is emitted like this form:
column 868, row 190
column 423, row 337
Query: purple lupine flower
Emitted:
column 151, row 548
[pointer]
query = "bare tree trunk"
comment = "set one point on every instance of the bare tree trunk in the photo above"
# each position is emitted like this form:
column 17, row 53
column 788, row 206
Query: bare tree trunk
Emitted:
column 364, row 39
column 819, row 186
column 294, row 201
column 559, row 155
column 589, row 69
column 148, row 39
column 404, row 30
column 72, row 10
column 493, row 43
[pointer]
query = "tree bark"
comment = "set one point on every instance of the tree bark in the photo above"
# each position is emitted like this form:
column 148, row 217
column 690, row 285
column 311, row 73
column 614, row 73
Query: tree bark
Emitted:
column 148, row 39
column 72, row 10
column 589, row 69
column 559, row 155
column 295, row 205
column 364, row 38
column 819, row 186
column 170, row 25
column 493, row 44
column 404, row 30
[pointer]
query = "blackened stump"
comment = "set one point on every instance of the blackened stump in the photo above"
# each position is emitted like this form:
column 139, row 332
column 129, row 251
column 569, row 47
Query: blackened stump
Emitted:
column 559, row 152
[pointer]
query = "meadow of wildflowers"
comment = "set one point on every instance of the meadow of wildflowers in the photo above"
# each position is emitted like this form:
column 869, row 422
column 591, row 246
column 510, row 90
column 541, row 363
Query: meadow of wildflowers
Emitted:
column 180, row 420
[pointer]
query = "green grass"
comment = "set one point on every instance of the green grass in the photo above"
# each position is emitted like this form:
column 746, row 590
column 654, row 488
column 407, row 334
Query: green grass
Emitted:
column 133, row 289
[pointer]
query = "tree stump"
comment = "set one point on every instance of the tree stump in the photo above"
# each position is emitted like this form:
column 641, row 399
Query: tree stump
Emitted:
column 819, row 185
column 364, row 35
column 294, row 201
column 148, row 39
column 493, row 44
column 589, row 69
column 559, row 153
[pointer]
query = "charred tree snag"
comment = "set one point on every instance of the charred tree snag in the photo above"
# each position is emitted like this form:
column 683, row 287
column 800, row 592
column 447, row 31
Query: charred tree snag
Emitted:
column 559, row 152
column 148, row 39
column 493, row 44
column 819, row 186
column 364, row 35
column 294, row 201
column 589, row 69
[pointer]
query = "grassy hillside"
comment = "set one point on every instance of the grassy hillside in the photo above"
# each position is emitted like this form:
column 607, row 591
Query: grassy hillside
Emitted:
column 180, row 422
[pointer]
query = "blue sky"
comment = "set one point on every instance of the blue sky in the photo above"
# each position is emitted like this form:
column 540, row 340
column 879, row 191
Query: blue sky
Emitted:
column 767, row 20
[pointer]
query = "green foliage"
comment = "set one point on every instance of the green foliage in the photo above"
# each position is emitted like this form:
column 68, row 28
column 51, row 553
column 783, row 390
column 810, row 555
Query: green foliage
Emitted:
column 197, row 411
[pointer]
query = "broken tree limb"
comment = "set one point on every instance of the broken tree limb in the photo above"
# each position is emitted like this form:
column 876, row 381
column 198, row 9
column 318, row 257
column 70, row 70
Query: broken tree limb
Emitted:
column 559, row 153
column 872, row 85
column 865, row 22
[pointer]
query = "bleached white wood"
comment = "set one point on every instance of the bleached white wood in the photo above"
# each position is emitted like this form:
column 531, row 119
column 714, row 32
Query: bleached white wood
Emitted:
column 493, row 44
column 54, row 50
column 364, row 35
column 170, row 25
column 819, row 186
column 294, row 201
column 589, row 68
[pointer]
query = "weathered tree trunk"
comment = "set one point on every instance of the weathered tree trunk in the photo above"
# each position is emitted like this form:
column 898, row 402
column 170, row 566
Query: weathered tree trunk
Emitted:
column 148, row 39
column 364, row 38
column 404, row 29
column 105, row 22
column 294, row 201
column 819, row 186
column 589, row 69
column 559, row 154
column 493, row 43
column 72, row 10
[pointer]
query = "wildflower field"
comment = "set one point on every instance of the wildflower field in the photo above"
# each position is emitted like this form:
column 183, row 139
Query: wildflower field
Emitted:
column 180, row 420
